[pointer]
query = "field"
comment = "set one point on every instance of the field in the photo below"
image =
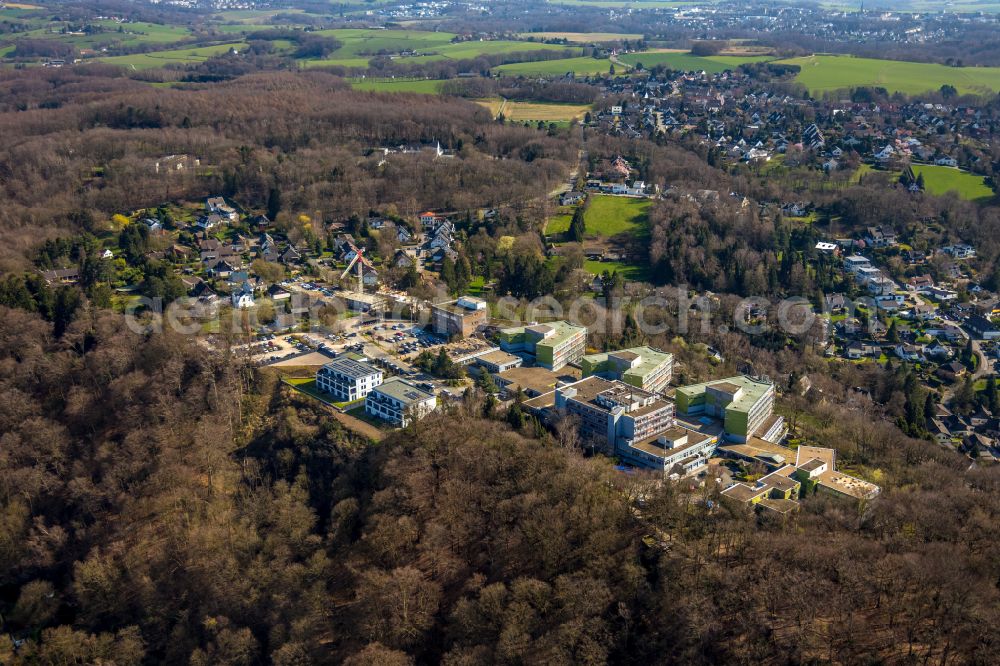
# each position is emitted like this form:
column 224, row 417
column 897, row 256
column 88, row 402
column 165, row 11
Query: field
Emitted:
column 156, row 59
column 628, row 271
column 582, row 37
column 522, row 111
column 579, row 67
column 559, row 223
column 828, row 72
column 686, row 62
column 424, row 86
column 608, row 216
column 941, row 180
column 359, row 46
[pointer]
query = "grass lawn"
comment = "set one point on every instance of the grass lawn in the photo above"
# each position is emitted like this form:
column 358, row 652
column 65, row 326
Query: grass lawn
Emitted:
column 689, row 63
column 832, row 72
column 579, row 66
column 360, row 414
column 476, row 285
column 582, row 37
column 307, row 385
column 608, row 216
column 559, row 223
column 423, row 86
column 859, row 174
column 628, row 271
column 942, row 179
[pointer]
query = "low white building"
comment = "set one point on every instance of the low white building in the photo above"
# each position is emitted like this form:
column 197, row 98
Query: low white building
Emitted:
column 399, row 401
column 347, row 380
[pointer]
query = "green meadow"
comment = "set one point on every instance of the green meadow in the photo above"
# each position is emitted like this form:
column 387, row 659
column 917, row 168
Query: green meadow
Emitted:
column 156, row 59
column 359, row 46
column 941, row 180
column 579, row 67
column 608, row 216
column 687, row 62
column 424, row 86
column 559, row 223
column 830, row 72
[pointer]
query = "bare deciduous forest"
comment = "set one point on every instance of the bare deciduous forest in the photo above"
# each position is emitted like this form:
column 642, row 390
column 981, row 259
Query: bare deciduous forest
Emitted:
column 158, row 506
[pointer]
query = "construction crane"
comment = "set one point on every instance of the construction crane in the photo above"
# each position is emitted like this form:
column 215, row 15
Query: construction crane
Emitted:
column 359, row 261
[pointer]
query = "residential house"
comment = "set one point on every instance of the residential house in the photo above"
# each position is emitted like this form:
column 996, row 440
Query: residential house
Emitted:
column 243, row 297
column 982, row 328
column 218, row 206
column 919, row 282
column 907, row 352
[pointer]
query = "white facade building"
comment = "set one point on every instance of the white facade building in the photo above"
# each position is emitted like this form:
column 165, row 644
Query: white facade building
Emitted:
column 347, row 380
column 399, row 401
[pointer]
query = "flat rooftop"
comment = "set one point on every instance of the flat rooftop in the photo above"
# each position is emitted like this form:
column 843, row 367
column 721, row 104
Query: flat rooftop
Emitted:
column 649, row 359
column 544, row 401
column 454, row 308
column 556, row 332
column 756, row 447
column 806, row 453
column 499, row 357
column 753, row 390
column 351, row 368
column 462, row 350
column 402, row 390
column 780, row 481
column 652, row 445
column 742, row 492
column 849, row 485
column 537, row 380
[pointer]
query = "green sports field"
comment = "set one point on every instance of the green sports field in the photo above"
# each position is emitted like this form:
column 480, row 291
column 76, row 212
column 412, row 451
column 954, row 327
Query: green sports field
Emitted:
column 608, row 216
column 579, row 67
column 686, row 62
column 941, row 180
column 829, row 72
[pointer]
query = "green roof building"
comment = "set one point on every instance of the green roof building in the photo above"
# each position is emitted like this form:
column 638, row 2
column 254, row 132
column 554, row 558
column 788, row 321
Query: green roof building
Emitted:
column 551, row 345
column 642, row 367
column 743, row 404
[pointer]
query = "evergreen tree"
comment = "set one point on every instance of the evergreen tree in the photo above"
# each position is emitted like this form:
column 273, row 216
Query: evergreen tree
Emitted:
column 892, row 335
column 577, row 227
column 930, row 409
column 448, row 273
column 992, row 395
